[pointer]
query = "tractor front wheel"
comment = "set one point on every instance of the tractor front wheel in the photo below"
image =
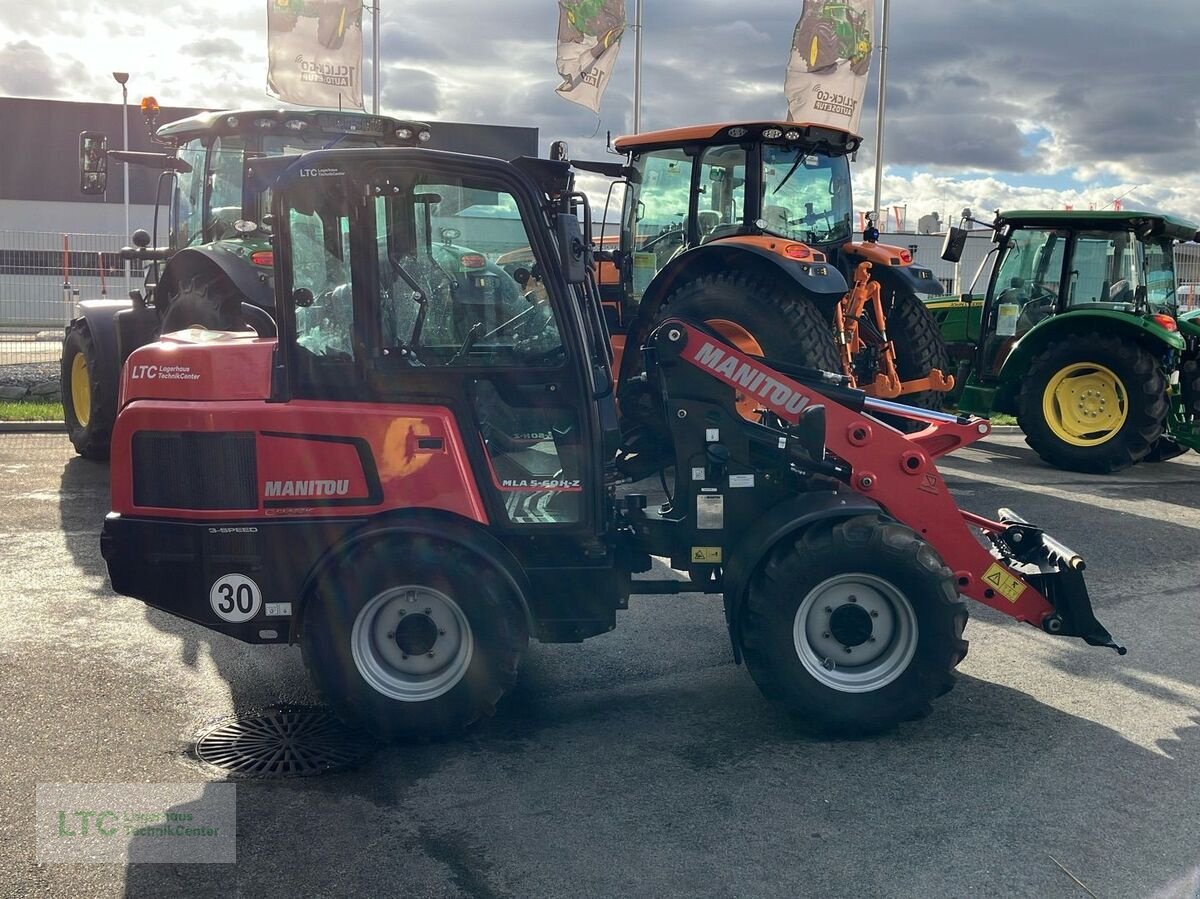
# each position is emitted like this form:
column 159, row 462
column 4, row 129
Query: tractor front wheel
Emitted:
column 89, row 404
column 1093, row 403
column 919, row 346
column 412, row 640
column 854, row 627
column 204, row 303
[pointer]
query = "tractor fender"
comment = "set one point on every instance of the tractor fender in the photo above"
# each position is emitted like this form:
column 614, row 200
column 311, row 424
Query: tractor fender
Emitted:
column 101, row 319
column 434, row 523
column 821, row 280
column 231, row 264
column 888, row 269
column 780, row 523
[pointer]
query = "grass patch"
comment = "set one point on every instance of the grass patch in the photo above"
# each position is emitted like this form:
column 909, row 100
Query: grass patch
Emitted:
column 999, row 418
column 30, row 410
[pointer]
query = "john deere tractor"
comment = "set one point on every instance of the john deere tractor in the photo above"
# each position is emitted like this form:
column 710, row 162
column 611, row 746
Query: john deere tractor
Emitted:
column 747, row 227
column 215, row 269
column 834, row 31
column 334, row 18
column 1079, row 335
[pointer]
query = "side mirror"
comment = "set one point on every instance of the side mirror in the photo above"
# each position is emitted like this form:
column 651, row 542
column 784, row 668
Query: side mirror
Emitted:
column 954, row 244
column 140, row 238
column 571, row 249
column 558, row 150
column 93, row 162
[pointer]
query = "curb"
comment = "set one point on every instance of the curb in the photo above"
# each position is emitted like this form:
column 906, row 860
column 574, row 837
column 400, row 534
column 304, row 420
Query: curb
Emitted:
column 32, row 427
column 1006, row 429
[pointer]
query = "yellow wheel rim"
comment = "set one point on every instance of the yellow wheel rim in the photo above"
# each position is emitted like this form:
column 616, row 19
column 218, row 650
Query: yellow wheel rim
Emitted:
column 1085, row 404
column 814, row 52
column 748, row 407
column 81, row 390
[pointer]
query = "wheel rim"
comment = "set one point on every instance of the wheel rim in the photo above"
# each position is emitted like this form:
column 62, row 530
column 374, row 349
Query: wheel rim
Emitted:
column 81, row 390
column 814, row 52
column 855, row 632
column 1085, row 404
column 412, row 643
column 748, row 407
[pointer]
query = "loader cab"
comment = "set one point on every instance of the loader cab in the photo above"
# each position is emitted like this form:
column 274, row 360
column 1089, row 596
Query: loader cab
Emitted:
column 1052, row 263
column 688, row 187
column 372, row 313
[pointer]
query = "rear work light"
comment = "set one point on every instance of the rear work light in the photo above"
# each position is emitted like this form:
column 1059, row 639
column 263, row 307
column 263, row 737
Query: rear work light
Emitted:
column 797, row 251
column 472, row 260
column 1165, row 321
column 263, row 257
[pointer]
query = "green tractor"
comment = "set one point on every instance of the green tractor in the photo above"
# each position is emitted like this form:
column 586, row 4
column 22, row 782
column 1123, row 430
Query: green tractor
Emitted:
column 216, row 267
column 1079, row 335
column 835, row 31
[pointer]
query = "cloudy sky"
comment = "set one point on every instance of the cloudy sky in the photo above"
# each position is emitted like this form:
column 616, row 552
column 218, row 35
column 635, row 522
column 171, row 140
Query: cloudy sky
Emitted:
column 991, row 103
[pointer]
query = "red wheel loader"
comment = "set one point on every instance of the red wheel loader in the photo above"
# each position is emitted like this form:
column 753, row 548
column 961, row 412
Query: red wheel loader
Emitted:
column 413, row 481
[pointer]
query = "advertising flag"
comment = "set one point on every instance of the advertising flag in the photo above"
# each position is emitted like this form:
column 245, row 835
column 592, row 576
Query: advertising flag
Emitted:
column 589, row 38
column 830, row 60
column 314, row 52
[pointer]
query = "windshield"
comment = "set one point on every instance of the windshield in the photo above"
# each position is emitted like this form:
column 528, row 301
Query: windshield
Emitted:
column 806, row 196
column 1160, row 275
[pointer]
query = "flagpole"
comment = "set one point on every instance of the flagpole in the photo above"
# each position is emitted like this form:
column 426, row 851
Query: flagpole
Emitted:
column 375, row 79
column 637, row 68
column 883, row 38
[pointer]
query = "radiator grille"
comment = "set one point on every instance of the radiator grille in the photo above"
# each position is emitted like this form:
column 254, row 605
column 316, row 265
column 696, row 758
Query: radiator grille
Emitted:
column 184, row 470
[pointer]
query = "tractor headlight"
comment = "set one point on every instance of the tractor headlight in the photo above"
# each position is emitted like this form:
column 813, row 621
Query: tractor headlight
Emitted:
column 404, row 133
column 424, row 136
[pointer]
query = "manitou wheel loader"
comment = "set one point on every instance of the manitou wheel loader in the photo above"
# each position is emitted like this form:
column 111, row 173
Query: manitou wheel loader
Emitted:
column 1079, row 334
column 413, row 503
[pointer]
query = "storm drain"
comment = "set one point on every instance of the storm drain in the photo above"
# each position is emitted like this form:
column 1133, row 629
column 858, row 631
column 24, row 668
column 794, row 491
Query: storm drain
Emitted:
column 284, row 741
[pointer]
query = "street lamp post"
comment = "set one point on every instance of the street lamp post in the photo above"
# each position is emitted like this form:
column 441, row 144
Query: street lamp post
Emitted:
column 122, row 78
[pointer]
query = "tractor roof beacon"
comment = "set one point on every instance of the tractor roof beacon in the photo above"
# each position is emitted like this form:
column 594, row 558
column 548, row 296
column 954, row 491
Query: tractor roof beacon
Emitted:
column 748, row 226
column 415, row 476
column 1079, row 334
column 215, row 268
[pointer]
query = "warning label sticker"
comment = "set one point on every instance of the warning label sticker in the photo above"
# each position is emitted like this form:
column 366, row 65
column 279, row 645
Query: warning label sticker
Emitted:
column 706, row 554
column 1003, row 583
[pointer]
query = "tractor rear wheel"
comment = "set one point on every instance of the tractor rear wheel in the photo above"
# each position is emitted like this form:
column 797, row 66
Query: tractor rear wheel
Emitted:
column 331, row 26
column 817, row 42
column 758, row 317
column 1093, row 403
column 413, row 639
column 920, row 347
column 854, row 627
column 89, row 404
column 205, row 303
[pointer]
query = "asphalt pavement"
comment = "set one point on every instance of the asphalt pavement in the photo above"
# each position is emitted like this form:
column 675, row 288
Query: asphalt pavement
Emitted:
column 643, row 762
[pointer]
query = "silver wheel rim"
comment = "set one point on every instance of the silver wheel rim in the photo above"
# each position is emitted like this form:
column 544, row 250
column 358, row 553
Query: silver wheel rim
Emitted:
column 833, row 617
column 400, row 620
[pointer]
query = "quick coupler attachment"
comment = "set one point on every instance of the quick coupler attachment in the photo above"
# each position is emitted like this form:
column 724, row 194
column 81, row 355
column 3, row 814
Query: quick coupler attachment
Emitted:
column 1057, row 571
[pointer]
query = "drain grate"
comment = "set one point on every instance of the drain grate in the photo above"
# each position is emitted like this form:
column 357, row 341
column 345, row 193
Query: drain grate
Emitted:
column 284, row 741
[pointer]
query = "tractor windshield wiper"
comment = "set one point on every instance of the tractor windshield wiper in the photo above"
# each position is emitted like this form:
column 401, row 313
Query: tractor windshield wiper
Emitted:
column 795, row 165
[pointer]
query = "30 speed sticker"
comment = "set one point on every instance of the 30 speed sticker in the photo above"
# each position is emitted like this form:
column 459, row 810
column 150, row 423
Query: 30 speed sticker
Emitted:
column 235, row 598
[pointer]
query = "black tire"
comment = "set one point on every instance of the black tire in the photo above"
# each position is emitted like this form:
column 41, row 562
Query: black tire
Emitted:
column 90, row 428
column 496, row 634
column 919, row 345
column 332, row 25
column 206, row 303
column 817, row 42
column 787, row 325
column 1167, row 447
column 1145, row 390
column 802, row 573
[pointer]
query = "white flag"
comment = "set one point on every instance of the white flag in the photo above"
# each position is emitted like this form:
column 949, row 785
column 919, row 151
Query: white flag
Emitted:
column 314, row 52
column 589, row 38
column 831, row 57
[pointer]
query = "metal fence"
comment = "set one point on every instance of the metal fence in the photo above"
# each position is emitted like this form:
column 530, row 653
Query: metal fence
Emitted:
column 42, row 275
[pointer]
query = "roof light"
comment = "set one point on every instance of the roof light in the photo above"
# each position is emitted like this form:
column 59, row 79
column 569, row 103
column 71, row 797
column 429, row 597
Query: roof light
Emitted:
column 264, row 123
column 231, row 121
column 738, row 132
column 772, row 133
column 423, row 136
column 793, row 135
column 1167, row 323
column 404, row 133
column 149, row 104
column 263, row 257
column 295, row 124
column 797, row 251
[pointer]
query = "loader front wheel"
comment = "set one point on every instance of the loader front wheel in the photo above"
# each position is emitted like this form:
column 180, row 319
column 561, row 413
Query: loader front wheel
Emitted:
column 89, row 404
column 1093, row 403
column 413, row 639
column 853, row 627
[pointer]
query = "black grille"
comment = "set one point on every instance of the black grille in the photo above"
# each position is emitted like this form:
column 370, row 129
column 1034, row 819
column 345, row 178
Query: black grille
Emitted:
column 173, row 470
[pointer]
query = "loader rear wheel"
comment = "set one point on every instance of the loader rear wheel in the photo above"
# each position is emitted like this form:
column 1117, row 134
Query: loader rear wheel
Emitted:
column 205, row 303
column 1093, row 403
column 413, row 639
column 753, row 313
column 854, row 627
column 919, row 345
column 89, row 405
